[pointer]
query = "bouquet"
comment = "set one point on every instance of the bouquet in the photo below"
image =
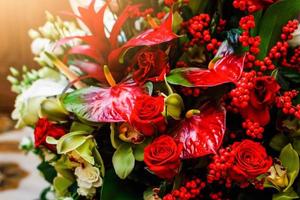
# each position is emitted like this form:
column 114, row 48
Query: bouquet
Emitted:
column 166, row 100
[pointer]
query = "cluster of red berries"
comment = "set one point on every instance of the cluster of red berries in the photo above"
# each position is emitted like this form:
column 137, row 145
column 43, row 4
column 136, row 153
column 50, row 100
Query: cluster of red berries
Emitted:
column 221, row 25
column 217, row 196
column 195, row 92
column 253, row 129
column 171, row 2
column 246, row 5
column 240, row 95
column 218, row 168
column 246, row 23
column 181, row 64
column 294, row 61
column 136, row 13
column 288, row 29
column 199, row 28
column 190, row 190
column 264, row 65
column 285, row 102
column 279, row 50
column 161, row 15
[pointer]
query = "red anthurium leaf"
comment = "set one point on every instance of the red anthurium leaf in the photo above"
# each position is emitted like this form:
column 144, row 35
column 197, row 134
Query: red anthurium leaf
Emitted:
column 202, row 134
column 113, row 104
column 122, row 18
column 94, row 21
column 87, row 51
column 225, row 70
column 91, row 69
column 155, row 36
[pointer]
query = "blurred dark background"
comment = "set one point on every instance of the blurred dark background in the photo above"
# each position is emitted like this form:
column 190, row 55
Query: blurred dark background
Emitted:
column 16, row 18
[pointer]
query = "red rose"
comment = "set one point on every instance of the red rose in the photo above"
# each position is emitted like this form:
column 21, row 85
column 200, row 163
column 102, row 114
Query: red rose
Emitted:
column 45, row 128
column 147, row 116
column 262, row 96
column 151, row 66
column 251, row 160
column 162, row 157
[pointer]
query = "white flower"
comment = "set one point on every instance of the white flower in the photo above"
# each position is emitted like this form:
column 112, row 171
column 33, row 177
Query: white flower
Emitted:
column 296, row 38
column 88, row 178
column 39, row 45
column 27, row 105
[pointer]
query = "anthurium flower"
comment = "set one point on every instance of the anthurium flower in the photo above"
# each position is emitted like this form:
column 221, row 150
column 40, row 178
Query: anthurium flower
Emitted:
column 226, row 69
column 110, row 104
column 201, row 133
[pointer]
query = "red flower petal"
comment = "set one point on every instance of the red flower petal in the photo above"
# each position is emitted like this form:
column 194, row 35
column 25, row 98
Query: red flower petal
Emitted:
column 122, row 18
column 113, row 104
column 261, row 116
column 227, row 69
column 151, row 37
column 202, row 134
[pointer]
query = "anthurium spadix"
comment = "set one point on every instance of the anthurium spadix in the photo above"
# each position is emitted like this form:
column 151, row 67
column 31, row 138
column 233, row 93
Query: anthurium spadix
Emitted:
column 201, row 133
column 225, row 69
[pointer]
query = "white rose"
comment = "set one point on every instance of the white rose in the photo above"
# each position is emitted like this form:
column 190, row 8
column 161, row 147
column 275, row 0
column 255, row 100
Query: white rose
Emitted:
column 88, row 173
column 86, row 192
column 88, row 178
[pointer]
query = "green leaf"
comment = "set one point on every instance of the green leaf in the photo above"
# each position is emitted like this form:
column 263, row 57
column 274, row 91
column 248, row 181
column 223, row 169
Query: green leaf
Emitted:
column 177, row 20
column 290, row 194
column 61, row 185
column 149, row 87
column 272, row 22
column 115, row 189
column 274, row 73
column 198, row 6
column 123, row 160
column 257, row 16
column 296, row 145
column 77, row 126
column 85, row 151
column 176, row 77
column 64, row 167
column 48, row 171
column 115, row 141
column 99, row 161
column 290, row 160
column 279, row 141
column 44, row 193
column 51, row 140
column 173, row 106
column 293, row 126
column 53, row 110
column 71, row 141
column 148, row 194
column 290, row 74
column 138, row 150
